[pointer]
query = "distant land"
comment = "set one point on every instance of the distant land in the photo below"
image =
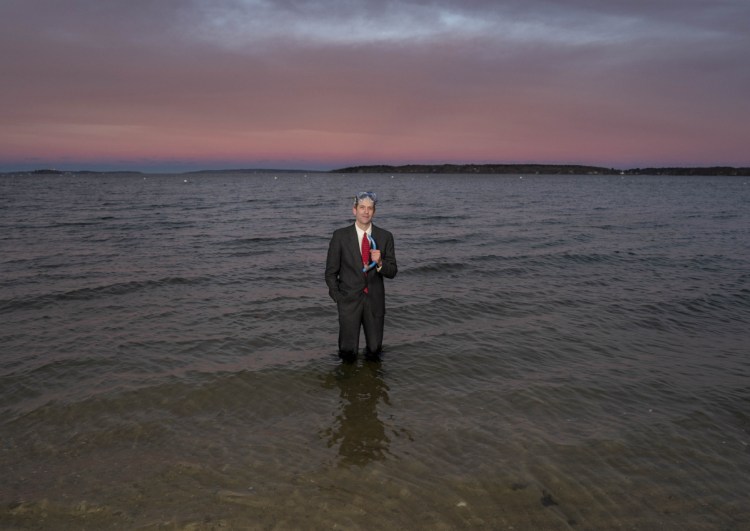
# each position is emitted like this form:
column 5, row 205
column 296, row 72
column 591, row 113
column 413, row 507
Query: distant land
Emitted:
column 541, row 169
column 486, row 169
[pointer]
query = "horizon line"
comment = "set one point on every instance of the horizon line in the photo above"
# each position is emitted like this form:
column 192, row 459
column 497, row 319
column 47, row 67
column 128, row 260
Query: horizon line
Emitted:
column 368, row 168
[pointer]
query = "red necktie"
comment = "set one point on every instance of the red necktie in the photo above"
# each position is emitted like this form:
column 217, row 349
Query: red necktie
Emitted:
column 365, row 252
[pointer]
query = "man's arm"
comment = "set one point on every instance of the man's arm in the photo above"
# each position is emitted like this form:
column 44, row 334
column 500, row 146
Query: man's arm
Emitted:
column 333, row 266
column 388, row 255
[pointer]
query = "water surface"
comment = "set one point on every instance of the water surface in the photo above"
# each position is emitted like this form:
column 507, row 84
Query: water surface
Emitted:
column 561, row 352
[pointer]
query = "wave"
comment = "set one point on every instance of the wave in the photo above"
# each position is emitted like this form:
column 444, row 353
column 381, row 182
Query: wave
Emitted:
column 242, row 242
column 85, row 294
column 431, row 268
column 712, row 305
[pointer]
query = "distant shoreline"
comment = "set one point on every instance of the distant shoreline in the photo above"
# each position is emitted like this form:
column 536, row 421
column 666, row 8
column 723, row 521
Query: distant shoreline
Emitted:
column 542, row 169
column 465, row 169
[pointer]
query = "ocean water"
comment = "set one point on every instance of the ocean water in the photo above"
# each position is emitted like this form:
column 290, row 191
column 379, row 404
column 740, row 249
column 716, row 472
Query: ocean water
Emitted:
column 561, row 352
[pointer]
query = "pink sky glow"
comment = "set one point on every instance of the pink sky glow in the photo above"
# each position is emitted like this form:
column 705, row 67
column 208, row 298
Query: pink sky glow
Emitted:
column 182, row 85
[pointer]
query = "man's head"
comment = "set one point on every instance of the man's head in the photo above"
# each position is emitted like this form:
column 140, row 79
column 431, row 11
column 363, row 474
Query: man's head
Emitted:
column 364, row 208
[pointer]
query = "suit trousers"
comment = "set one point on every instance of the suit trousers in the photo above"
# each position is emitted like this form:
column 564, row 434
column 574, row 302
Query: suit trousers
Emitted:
column 351, row 317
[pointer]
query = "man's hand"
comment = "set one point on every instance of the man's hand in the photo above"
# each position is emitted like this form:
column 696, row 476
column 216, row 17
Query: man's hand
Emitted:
column 375, row 257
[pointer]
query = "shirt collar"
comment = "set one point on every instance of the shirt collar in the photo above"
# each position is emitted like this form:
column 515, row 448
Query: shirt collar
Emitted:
column 360, row 232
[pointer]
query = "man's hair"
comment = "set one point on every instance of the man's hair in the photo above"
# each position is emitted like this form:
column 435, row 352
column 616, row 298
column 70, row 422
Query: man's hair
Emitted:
column 361, row 196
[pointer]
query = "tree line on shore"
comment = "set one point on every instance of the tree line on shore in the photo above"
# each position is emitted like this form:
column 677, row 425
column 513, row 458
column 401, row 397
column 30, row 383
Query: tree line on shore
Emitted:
column 541, row 169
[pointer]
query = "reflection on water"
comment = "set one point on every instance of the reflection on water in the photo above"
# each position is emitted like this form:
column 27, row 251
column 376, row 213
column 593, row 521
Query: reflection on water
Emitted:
column 357, row 429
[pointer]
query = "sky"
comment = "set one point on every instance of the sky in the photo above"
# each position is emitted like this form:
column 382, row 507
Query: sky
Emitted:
column 174, row 85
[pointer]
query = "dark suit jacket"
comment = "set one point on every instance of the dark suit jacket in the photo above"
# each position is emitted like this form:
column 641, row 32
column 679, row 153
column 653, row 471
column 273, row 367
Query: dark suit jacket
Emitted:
column 344, row 277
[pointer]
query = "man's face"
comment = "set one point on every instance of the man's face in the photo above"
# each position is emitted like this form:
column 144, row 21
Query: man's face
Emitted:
column 364, row 212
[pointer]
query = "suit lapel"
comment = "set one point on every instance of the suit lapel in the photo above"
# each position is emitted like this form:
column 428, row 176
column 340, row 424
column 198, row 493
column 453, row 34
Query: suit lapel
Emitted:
column 352, row 244
column 375, row 235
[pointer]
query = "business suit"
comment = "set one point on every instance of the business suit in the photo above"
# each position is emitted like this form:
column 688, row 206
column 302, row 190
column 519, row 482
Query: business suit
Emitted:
column 346, row 284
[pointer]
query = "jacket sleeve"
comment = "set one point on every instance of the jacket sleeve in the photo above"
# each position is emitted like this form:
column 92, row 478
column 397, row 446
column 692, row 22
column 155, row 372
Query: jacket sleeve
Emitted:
column 333, row 266
column 388, row 252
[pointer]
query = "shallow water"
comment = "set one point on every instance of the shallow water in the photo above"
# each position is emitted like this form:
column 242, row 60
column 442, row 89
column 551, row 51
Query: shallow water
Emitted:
column 562, row 352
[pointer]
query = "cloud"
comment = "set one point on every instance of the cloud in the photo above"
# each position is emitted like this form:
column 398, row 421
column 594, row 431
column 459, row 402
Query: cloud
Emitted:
column 534, row 80
column 355, row 22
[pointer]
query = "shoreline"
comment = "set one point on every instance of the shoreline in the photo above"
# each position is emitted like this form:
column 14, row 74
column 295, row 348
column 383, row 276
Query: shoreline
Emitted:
column 456, row 169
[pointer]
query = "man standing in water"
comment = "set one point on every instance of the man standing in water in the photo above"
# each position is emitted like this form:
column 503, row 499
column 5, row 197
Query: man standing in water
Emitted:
column 357, row 288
